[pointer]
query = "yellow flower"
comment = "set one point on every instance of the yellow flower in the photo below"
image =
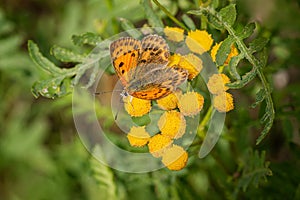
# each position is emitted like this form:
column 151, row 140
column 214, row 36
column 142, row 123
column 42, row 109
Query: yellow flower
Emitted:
column 223, row 102
column 217, row 83
column 191, row 103
column 214, row 50
column 174, row 60
column 175, row 158
column 158, row 144
column 174, row 34
column 169, row 102
column 199, row 41
column 138, row 136
column 172, row 124
column 136, row 107
column 192, row 64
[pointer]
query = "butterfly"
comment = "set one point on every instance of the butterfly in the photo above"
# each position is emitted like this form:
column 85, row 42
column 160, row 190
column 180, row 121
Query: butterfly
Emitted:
column 142, row 67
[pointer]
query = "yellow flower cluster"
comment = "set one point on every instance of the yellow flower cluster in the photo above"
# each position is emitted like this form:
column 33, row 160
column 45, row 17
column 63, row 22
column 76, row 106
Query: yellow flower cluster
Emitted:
column 178, row 106
column 171, row 124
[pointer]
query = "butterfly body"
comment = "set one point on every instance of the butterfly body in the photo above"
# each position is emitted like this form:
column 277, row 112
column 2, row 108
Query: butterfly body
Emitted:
column 142, row 67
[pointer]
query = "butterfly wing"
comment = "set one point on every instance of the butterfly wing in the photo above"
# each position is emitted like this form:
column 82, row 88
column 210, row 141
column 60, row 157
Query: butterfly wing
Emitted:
column 124, row 53
column 154, row 50
column 157, row 82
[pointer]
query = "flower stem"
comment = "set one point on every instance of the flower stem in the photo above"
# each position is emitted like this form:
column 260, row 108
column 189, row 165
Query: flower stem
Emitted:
column 170, row 15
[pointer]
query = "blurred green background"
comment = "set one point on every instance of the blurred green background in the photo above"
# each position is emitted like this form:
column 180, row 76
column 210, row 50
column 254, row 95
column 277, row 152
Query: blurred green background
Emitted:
column 41, row 156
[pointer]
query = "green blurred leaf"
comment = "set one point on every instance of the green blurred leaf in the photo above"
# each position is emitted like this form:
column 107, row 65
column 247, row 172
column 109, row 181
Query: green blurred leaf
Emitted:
column 189, row 22
column 233, row 63
column 103, row 175
column 130, row 28
column 41, row 61
column 260, row 96
column 224, row 50
column 258, row 44
column 153, row 19
column 246, row 31
column 86, row 38
column 66, row 55
column 228, row 14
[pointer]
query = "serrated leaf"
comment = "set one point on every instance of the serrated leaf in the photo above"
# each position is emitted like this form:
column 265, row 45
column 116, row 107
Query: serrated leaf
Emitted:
column 258, row 44
column 189, row 22
column 260, row 96
column 66, row 55
column 102, row 175
column 153, row 19
column 51, row 88
column 86, row 38
column 246, row 31
column 228, row 14
column 129, row 28
column 244, row 81
column 234, row 61
column 41, row 61
column 263, row 57
column 224, row 50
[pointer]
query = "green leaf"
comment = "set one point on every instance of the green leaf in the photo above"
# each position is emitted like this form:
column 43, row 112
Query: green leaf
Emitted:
column 228, row 14
column 130, row 28
column 153, row 19
column 234, row 61
column 246, row 31
column 41, row 61
column 224, row 50
column 258, row 44
column 102, row 175
column 254, row 170
column 86, row 38
column 244, row 81
column 66, row 55
column 51, row 88
column 189, row 22
column 260, row 96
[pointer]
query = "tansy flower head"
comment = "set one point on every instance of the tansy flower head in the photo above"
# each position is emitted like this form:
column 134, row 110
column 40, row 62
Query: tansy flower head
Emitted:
column 191, row 103
column 174, row 34
column 174, row 60
column 214, row 50
column 192, row 64
column 169, row 102
column 158, row 144
column 175, row 157
column 138, row 136
column 217, row 83
column 172, row 124
column 136, row 107
column 223, row 102
column 199, row 41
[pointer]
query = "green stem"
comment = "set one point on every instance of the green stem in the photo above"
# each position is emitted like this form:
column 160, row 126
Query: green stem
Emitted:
column 257, row 67
column 176, row 21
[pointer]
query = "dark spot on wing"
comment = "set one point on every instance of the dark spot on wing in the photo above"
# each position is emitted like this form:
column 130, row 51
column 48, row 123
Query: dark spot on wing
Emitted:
column 133, row 55
column 143, row 61
column 123, row 71
column 121, row 64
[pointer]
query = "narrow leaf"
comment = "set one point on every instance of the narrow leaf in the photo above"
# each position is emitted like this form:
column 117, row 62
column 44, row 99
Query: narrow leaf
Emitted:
column 224, row 50
column 41, row 61
column 86, row 38
column 244, row 81
column 260, row 96
column 258, row 44
column 234, row 61
column 129, row 28
column 189, row 22
column 66, row 55
column 228, row 14
column 152, row 17
column 246, row 31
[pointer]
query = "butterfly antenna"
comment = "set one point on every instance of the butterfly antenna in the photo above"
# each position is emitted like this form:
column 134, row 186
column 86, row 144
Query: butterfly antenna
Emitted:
column 104, row 92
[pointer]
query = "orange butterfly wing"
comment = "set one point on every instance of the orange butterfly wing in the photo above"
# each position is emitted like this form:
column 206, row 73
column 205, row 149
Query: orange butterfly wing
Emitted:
column 124, row 53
